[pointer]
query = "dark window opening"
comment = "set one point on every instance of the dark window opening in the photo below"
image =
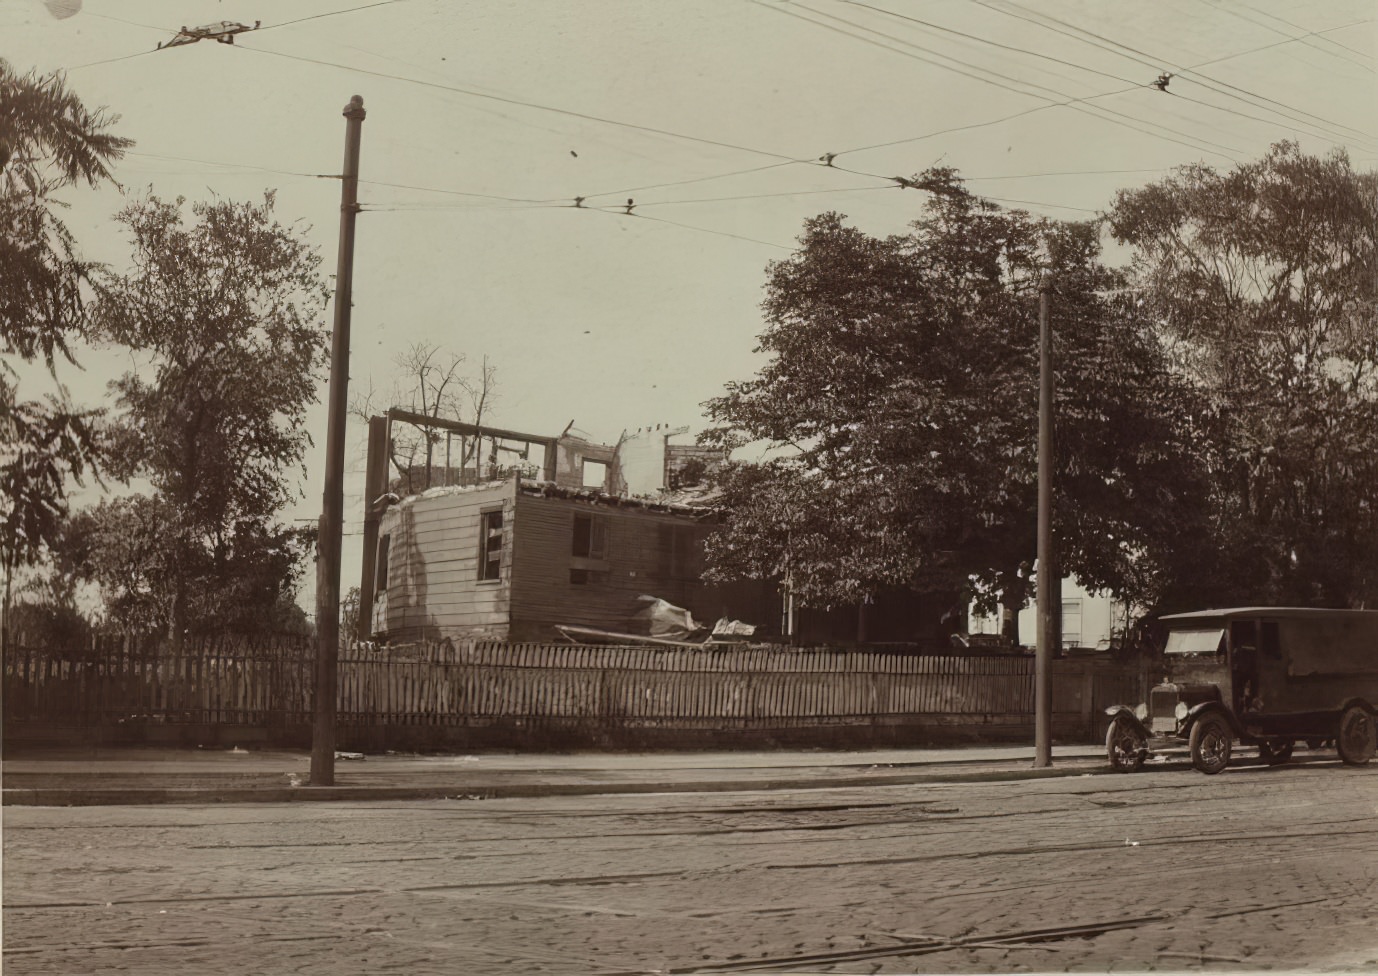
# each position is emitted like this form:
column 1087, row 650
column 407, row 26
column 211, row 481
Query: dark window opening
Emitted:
column 380, row 572
column 490, row 546
column 678, row 552
column 590, row 537
column 1269, row 644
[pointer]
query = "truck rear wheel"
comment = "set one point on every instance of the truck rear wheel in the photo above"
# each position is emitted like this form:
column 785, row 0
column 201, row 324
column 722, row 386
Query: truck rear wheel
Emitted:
column 1357, row 737
column 1211, row 741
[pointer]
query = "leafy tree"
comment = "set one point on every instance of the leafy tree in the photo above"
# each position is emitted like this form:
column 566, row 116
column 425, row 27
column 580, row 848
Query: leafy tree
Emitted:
column 228, row 311
column 48, row 141
column 1264, row 281
column 901, row 404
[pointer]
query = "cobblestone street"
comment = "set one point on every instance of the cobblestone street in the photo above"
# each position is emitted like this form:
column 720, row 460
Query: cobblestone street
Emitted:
column 1255, row 869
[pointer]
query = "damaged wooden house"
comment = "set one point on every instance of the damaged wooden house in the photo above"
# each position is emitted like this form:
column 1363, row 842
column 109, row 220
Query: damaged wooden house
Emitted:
column 545, row 538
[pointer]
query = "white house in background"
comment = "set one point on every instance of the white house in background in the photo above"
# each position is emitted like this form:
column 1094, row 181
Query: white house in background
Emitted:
column 1088, row 619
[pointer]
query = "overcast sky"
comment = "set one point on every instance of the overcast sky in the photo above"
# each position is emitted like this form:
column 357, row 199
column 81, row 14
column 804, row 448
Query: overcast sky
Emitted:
column 486, row 120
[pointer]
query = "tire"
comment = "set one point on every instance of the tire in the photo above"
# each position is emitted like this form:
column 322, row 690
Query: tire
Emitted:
column 1357, row 736
column 1211, row 741
column 1125, row 746
column 1275, row 753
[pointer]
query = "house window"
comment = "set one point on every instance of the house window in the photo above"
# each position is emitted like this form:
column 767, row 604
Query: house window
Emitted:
column 588, row 546
column 590, row 537
column 380, row 571
column 677, row 552
column 490, row 545
column 1071, row 623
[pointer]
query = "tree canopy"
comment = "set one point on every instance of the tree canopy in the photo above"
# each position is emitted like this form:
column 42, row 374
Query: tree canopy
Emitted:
column 228, row 312
column 900, row 406
column 1263, row 283
column 49, row 141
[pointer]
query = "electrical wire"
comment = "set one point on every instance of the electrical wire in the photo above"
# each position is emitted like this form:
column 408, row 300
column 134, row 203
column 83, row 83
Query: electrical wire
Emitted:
column 695, row 179
column 1331, row 30
column 987, row 41
column 1080, row 172
column 224, row 163
column 131, row 23
column 987, row 78
column 1231, row 11
column 1107, row 44
column 1036, row 54
column 537, row 106
column 1333, row 136
column 330, row 13
column 458, row 193
column 123, row 57
column 705, row 230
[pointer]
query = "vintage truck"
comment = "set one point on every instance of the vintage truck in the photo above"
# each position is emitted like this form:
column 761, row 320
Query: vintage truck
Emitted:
column 1263, row 676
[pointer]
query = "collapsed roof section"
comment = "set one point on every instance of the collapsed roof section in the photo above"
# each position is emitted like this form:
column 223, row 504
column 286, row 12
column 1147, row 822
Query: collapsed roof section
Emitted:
column 643, row 464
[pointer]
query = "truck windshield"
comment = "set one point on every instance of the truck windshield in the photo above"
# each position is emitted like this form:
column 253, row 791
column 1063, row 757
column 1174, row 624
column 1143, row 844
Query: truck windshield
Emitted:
column 1205, row 640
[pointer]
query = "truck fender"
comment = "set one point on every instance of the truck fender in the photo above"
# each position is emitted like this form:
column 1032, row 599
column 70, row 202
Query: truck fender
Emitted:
column 1211, row 706
column 1367, row 706
column 1127, row 713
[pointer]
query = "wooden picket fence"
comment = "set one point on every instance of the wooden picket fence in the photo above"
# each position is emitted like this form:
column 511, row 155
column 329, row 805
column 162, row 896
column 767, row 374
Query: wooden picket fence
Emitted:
column 231, row 681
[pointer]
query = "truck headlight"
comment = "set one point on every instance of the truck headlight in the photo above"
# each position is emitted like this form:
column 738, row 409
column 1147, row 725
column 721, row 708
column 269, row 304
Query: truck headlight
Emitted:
column 1141, row 711
column 1181, row 711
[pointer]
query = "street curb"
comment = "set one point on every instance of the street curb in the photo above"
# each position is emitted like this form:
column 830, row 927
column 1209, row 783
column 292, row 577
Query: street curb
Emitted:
column 95, row 796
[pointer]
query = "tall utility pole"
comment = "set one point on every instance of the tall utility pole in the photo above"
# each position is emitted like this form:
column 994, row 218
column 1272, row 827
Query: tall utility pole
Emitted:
column 332, row 511
column 1047, row 559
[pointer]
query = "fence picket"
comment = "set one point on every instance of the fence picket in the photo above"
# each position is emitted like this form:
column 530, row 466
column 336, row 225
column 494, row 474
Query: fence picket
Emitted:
column 218, row 680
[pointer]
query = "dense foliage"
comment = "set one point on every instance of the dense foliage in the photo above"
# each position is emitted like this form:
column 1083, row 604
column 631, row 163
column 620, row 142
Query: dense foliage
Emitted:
column 1263, row 282
column 227, row 311
column 899, row 411
column 49, row 141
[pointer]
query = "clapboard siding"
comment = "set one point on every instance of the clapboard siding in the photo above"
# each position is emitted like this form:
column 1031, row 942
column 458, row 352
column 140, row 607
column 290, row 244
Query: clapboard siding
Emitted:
column 646, row 552
column 433, row 589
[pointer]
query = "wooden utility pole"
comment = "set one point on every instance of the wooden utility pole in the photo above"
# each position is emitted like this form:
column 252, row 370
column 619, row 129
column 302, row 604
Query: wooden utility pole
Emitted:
column 1047, row 560
column 332, row 511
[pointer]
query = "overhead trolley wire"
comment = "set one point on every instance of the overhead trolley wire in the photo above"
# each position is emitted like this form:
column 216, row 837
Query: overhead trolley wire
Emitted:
column 1331, row 135
column 987, row 41
column 1151, row 61
column 223, row 163
column 1228, row 9
column 1046, row 57
column 988, row 76
column 537, row 106
column 330, row 13
column 123, row 57
column 131, row 23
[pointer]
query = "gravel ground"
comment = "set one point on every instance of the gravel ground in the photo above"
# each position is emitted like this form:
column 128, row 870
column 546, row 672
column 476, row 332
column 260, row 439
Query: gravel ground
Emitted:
column 1252, row 870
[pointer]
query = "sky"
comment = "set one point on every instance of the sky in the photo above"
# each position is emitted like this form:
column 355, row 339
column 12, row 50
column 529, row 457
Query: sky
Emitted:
column 727, row 122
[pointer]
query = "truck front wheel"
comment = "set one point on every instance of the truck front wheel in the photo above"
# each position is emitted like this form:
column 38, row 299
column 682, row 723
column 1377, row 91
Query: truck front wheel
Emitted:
column 1357, row 736
column 1211, row 741
column 1125, row 745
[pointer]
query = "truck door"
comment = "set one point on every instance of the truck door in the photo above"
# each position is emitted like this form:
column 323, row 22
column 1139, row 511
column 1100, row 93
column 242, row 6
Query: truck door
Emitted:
column 1243, row 664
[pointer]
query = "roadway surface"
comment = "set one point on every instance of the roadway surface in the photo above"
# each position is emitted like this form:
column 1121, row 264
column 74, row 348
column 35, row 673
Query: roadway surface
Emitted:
column 1254, row 869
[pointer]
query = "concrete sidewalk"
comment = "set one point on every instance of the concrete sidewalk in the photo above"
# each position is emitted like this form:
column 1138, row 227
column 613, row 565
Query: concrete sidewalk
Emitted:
column 131, row 775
